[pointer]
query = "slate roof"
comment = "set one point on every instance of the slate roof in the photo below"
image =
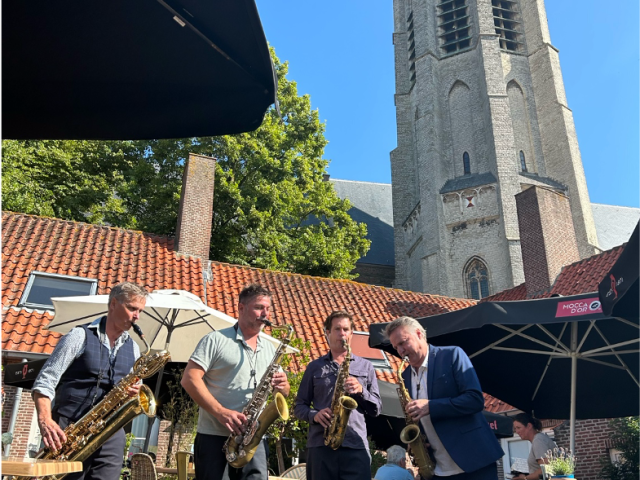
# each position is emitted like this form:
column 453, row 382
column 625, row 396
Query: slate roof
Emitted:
column 111, row 255
column 468, row 181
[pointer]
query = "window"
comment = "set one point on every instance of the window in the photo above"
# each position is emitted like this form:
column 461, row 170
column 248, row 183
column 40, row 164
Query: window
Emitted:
column 412, row 49
column 523, row 164
column 506, row 20
column 454, row 25
column 466, row 163
column 477, row 278
column 360, row 346
column 42, row 286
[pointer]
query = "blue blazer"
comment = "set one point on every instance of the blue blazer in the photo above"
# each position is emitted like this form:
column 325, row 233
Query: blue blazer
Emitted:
column 455, row 405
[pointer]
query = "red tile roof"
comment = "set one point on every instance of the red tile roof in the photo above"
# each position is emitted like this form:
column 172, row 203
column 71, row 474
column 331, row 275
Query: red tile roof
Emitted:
column 579, row 277
column 111, row 255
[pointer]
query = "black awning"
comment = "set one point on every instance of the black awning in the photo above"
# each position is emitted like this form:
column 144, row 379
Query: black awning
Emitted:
column 22, row 375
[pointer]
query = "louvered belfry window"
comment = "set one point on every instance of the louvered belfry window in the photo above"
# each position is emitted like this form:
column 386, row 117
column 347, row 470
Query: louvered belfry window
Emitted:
column 412, row 49
column 454, row 24
column 506, row 19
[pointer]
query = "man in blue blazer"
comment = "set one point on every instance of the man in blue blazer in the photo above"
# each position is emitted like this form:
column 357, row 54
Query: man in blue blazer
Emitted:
column 448, row 402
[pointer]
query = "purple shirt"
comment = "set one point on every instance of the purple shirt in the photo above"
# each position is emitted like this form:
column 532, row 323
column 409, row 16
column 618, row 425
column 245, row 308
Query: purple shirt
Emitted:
column 316, row 393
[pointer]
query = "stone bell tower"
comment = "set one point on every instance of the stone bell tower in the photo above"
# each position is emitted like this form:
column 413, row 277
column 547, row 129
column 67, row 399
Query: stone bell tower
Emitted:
column 481, row 115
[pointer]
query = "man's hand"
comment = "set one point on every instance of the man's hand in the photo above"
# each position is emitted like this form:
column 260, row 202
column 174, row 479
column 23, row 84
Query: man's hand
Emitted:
column 352, row 386
column 133, row 390
column 235, row 422
column 418, row 408
column 323, row 417
column 52, row 435
column 280, row 383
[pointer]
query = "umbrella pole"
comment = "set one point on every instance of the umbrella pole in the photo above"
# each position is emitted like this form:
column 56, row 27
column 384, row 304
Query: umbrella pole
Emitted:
column 574, row 375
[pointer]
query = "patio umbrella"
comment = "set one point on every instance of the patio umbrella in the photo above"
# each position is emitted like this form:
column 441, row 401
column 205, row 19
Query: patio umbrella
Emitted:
column 559, row 357
column 619, row 290
column 133, row 70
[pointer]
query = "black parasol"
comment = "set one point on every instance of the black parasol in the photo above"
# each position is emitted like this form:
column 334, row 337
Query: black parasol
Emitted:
column 133, row 70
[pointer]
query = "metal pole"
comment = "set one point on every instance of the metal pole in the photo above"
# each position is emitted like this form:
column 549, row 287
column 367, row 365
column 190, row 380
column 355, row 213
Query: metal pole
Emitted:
column 574, row 375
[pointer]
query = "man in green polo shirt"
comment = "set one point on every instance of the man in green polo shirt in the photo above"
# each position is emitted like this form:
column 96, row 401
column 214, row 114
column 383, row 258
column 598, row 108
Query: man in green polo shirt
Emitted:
column 221, row 376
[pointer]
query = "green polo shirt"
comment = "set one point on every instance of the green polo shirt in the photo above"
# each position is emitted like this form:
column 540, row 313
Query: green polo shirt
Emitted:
column 228, row 362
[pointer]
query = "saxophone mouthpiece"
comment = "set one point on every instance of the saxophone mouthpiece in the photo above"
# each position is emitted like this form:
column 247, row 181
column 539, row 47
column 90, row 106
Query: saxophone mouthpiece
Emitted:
column 138, row 330
column 266, row 322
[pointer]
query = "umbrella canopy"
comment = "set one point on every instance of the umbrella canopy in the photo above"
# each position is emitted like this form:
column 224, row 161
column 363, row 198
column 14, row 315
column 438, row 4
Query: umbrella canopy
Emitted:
column 133, row 70
column 619, row 290
column 165, row 320
column 559, row 357
column 22, row 375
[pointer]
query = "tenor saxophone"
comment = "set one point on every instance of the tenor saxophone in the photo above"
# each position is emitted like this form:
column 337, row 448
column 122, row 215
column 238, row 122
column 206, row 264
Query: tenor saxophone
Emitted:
column 240, row 449
column 341, row 405
column 411, row 434
column 110, row 414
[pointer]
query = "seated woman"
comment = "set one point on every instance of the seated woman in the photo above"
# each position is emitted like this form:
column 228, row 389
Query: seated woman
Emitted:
column 528, row 428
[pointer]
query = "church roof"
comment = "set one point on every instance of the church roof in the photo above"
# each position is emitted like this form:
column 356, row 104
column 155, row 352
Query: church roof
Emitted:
column 468, row 181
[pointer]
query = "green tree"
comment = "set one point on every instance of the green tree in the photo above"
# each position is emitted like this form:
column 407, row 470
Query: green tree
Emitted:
column 72, row 180
column 272, row 208
column 625, row 438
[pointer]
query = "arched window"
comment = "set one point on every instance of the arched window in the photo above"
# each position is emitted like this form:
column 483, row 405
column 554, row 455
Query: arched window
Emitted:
column 466, row 163
column 523, row 164
column 477, row 278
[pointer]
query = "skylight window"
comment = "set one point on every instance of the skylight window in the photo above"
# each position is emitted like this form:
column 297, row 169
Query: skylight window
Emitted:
column 360, row 346
column 42, row 286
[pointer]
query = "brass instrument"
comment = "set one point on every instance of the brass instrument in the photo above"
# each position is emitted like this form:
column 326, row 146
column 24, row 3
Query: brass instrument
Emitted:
column 239, row 449
column 109, row 415
column 411, row 434
column 341, row 405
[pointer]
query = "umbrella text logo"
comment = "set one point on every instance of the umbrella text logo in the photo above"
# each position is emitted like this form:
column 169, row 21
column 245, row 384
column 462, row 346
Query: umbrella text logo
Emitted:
column 574, row 308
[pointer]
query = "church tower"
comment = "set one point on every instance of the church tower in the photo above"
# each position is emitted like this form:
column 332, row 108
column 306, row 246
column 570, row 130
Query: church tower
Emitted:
column 481, row 116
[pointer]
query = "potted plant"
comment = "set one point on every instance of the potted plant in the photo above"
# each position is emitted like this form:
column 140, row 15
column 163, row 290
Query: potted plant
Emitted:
column 560, row 463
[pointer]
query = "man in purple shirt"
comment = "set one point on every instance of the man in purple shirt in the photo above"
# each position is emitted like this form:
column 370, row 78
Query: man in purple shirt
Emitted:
column 351, row 461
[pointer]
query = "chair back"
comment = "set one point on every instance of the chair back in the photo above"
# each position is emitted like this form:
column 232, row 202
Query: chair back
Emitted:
column 142, row 467
column 297, row 471
column 182, row 463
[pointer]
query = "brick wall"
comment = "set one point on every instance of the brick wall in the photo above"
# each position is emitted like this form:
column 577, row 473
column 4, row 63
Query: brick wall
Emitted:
column 193, row 233
column 591, row 445
column 547, row 236
column 381, row 275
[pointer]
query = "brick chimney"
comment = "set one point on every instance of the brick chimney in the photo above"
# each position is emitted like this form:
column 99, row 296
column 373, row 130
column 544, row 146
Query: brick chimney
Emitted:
column 193, row 234
column 547, row 237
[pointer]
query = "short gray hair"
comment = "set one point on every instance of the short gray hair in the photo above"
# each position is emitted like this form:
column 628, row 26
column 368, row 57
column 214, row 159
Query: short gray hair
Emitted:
column 396, row 454
column 405, row 322
column 126, row 291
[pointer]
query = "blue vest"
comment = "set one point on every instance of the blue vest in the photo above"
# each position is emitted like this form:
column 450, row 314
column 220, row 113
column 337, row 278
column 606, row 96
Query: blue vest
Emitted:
column 91, row 376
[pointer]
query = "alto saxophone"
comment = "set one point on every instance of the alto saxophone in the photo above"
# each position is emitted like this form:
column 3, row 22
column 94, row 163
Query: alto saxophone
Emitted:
column 239, row 449
column 411, row 434
column 341, row 405
column 110, row 414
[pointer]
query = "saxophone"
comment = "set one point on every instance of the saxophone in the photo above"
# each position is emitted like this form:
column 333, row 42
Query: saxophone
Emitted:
column 109, row 415
column 239, row 449
column 411, row 434
column 341, row 405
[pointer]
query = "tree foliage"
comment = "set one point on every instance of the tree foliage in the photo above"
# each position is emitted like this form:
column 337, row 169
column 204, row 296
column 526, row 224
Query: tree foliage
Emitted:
column 626, row 439
column 272, row 208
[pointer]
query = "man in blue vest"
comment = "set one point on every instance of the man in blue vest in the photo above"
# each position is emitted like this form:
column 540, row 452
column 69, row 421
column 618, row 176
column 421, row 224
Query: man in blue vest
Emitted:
column 448, row 403
column 87, row 363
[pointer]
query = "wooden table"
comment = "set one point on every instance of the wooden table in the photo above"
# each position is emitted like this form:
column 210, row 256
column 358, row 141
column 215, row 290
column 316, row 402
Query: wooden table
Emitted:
column 31, row 467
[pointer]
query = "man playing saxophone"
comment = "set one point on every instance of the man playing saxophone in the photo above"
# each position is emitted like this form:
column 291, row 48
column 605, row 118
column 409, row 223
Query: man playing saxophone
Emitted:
column 221, row 376
column 344, row 458
column 448, row 403
column 85, row 365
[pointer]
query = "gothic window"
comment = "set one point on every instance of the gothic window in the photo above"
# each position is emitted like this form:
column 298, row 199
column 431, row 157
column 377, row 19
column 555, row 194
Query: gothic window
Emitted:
column 454, row 24
column 523, row 164
column 506, row 20
column 466, row 163
column 477, row 279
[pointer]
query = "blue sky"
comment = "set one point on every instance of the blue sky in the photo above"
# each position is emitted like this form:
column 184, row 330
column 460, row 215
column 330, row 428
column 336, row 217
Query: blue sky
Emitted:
column 340, row 53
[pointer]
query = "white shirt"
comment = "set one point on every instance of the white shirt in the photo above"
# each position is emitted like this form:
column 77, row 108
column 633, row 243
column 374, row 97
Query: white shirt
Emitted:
column 445, row 466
